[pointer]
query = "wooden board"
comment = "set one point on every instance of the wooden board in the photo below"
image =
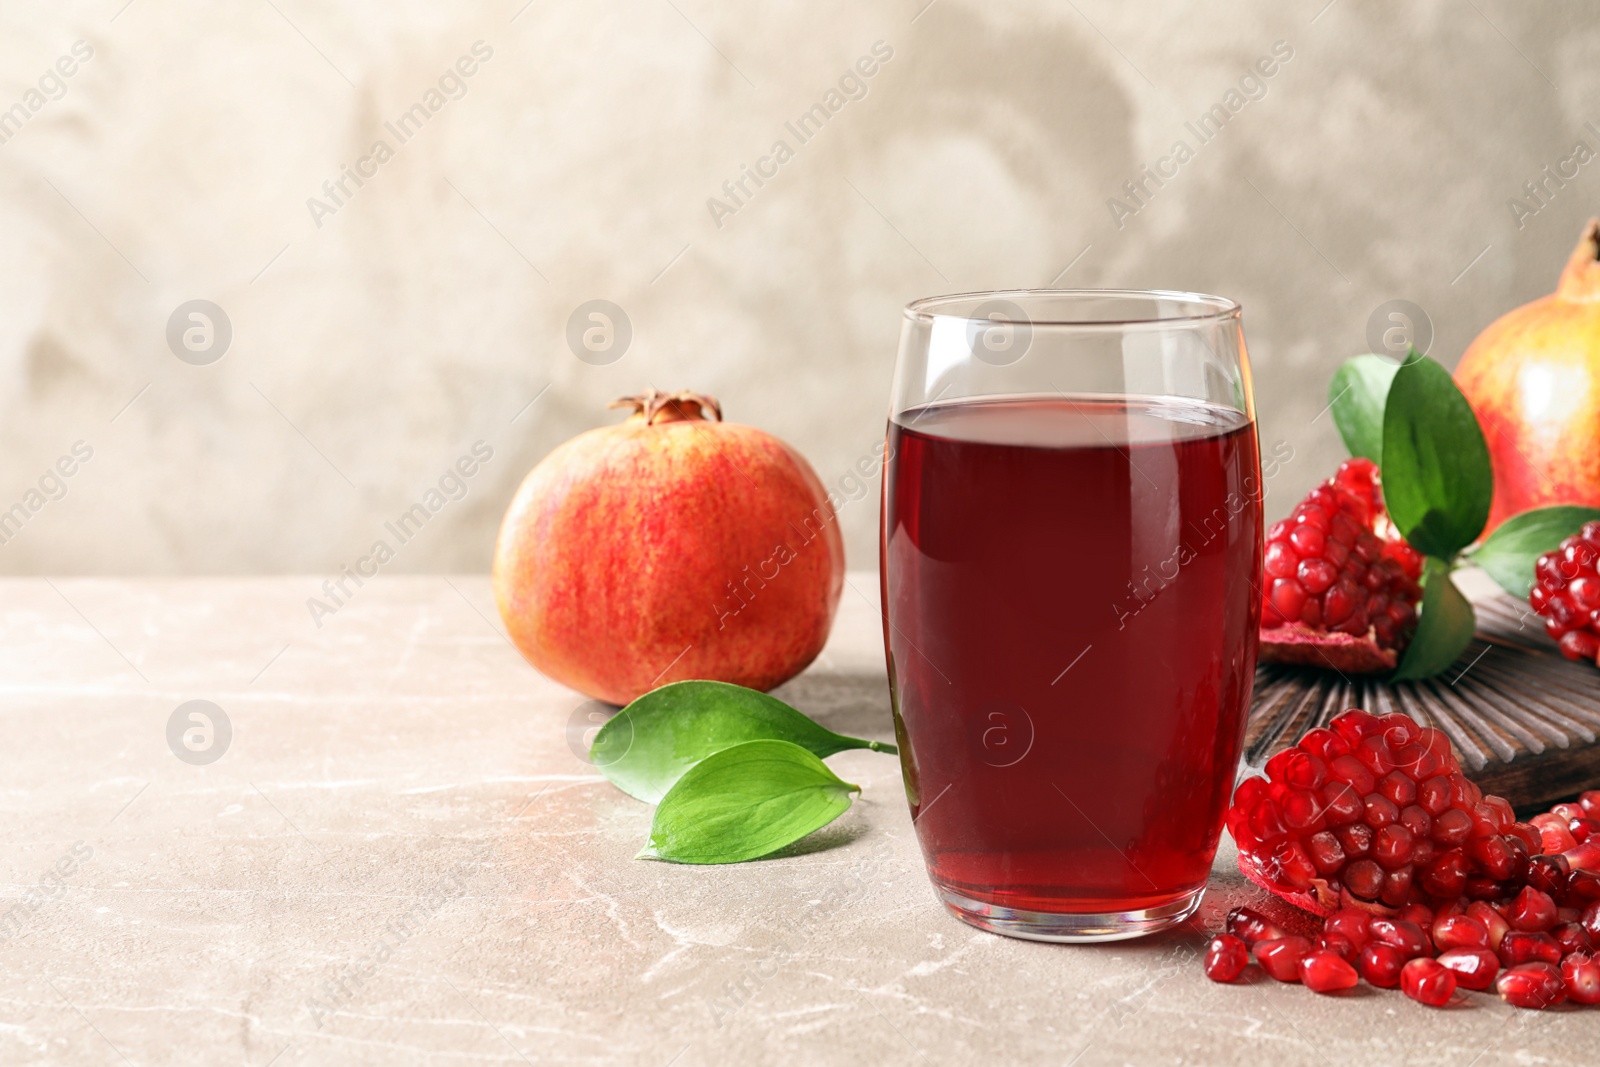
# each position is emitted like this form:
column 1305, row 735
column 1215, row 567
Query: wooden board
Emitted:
column 1525, row 721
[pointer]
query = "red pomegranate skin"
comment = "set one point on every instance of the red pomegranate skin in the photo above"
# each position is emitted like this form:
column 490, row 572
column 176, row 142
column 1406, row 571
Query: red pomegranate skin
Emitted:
column 1533, row 378
column 669, row 547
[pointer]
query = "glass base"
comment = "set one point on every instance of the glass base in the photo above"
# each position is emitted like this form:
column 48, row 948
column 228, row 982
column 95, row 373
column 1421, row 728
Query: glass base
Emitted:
column 1070, row 927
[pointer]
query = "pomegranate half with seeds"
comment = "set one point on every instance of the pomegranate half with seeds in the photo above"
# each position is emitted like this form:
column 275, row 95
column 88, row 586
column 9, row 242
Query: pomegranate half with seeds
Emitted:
column 1374, row 812
column 1340, row 584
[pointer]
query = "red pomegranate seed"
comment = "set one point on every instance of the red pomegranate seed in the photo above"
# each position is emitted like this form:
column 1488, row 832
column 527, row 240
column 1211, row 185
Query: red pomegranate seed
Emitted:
column 1427, row 981
column 1474, row 968
column 1583, row 889
column 1324, row 743
column 1419, row 822
column 1492, row 921
column 1572, row 937
column 1349, row 923
column 1392, row 847
column 1492, row 855
column 1531, row 910
column 1325, row 971
column 1581, row 972
column 1532, row 985
column 1349, row 770
column 1376, row 756
column 1549, row 874
column 1433, row 795
column 1460, row 932
column 1342, row 805
column 1380, row 964
column 1397, row 886
column 1250, row 926
column 1529, row 836
column 1553, row 832
column 1583, row 828
column 1380, row 811
column 1399, row 787
column 1408, row 937
column 1281, row 956
column 1446, row 876
column 1337, row 944
column 1452, row 828
column 1420, row 914
column 1226, row 958
column 1356, row 840
column 1364, row 879
column 1520, row 946
column 1590, row 803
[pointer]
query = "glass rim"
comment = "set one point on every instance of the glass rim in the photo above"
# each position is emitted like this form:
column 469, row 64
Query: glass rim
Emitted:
column 1206, row 308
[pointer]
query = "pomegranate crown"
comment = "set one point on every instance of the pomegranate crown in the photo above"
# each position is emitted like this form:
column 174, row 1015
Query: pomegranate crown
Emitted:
column 655, row 406
column 1580, row 281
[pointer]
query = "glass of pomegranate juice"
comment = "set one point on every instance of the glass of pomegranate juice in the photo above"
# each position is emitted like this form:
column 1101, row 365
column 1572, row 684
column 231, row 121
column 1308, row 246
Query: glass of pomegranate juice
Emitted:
column 1071, row 542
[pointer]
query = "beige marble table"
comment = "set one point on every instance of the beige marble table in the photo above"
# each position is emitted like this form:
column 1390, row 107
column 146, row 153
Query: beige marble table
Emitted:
column 401, row 858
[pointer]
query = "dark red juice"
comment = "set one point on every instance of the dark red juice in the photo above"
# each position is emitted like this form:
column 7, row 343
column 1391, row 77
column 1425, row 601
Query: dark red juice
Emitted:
column 1071, row 627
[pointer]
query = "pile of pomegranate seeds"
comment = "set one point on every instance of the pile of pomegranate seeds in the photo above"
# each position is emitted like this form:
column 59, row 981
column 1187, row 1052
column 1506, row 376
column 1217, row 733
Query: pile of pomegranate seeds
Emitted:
column 1566, row 591
column 1426, row 884
column 1328, row 570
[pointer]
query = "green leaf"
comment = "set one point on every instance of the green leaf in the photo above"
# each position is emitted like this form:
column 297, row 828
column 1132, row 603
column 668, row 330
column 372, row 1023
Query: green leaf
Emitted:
column 1436, row 476
column 745, row 802
column 1444, row 626
column 1508, row 554
column 1357, row 395
column 648, row 745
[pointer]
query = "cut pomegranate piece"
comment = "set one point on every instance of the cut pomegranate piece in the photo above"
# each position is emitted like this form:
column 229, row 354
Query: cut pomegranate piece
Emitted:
column 1373, row 813
column 1427, row 981
column 1325, row 971
column 1566, row 592
column 1226, row 958
column 1340, row 585
column 1532, row 985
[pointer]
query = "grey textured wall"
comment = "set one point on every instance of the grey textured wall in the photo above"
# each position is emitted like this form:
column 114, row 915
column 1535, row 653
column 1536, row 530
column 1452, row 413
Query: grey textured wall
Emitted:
column 377, row 336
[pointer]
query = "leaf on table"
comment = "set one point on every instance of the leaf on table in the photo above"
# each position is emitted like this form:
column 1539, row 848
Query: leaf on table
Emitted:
column 746, row 802
column 1508, row 554
column 1445, row 625
column 648, row 745
column 1437, row 482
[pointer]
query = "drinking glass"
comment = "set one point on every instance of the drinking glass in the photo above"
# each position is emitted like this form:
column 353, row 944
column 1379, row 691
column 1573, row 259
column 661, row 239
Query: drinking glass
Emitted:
column 1071, row 544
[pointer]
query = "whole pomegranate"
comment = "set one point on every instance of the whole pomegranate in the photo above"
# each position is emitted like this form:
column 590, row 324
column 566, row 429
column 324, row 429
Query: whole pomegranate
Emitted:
column 1533, row 377
column 669, row 546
